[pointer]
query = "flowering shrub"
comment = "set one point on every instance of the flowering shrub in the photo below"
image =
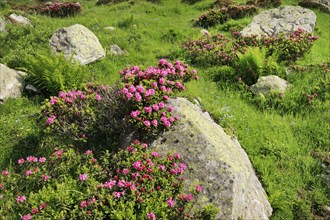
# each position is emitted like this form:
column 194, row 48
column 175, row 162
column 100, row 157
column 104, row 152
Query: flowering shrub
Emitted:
column 289, row 47
column 265, row 3
column 222, row 3
column 212, row 50
column 221, row 50
column 147, row 92
column 61, row 9
column 79, row 114
column 136, row 183
column 221, row 15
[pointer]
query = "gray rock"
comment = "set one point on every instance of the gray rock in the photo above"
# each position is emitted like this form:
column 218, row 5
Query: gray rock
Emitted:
column 2, row 25
column 216, row 161
column 323, row 5
column 268, row 84
column 79, row 42
column 19, row 20
column 116, row 51
column 204, row 32
column 286, row 19
column 11, row 83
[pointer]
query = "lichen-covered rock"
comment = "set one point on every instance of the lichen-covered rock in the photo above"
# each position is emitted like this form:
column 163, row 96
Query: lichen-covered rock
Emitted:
column 267, row 84
column 116, row 51
column 79, row 42
column 19, row 19
column 286, row 19
column 323, row 5
column 11, row 83
column 216, row 161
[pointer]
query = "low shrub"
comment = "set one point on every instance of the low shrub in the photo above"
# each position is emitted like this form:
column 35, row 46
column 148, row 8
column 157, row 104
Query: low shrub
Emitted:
column 190, row 1
column 211, row 50
column 147, row 92
column 89, row 113
column 136, row 183
column 265, row 3
column 221, row 15
column 59, row 9
column 104, row 2
column 222, row 3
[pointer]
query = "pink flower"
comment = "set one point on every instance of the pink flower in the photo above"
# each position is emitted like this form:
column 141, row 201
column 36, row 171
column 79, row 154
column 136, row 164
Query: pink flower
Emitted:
column 88, row 152
column 121, row 183
column 170, row 108
column 147, row 109
column 53, row 101
column 34, row 211
column 42, row 159
column 5, row 173
column 189, row 197
column 161, row 105
column 137, row 165
column 170, row 202
column 134, row 114
column 177, row 156
column 199, row 188
column 82, row 97
column 166, row 97
column 154, row 123
column 83, row 204
column 151, row 216
column 109, row 184
column 162, row 167
column 154, row 154
column 163, row 88
column 154, row 84
column 129, row 96
column 147, row 123
column 161, row 81
column 155, row 107
column 20, row 161
column 31, row 159
column 97, row 97
column 20, row 199
column 45, row 177
column 83, row 177
column 27, row 217
column 125, row 171
column 167, row 124
column 140, row 89
column 177, row 117
column 132, row 89
column 124, row 90
column 50, row 120
column 138, row 97
column 117, row 194
column 28, row 173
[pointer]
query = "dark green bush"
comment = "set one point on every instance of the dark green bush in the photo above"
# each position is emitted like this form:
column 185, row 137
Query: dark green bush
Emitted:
column 265, row 3
column 60, row 9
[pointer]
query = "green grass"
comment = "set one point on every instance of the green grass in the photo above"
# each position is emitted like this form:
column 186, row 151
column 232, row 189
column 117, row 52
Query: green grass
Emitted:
column 279, row 143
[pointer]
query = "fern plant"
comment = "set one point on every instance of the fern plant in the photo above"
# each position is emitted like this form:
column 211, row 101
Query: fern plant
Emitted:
column 51, row 73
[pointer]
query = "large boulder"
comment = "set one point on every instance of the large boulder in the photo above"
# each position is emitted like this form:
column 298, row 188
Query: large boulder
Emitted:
column 267, row 84
column 19, row 20
column 214, row 160
column 79, row 42
column 323, row 5
column 11, row 83
column 286, row 19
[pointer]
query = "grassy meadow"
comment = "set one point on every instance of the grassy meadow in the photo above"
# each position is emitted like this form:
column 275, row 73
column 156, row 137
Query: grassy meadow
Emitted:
column 286, row 141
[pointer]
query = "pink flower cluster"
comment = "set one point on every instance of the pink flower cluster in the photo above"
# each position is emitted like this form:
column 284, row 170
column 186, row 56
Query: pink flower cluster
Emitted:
column 149, row 90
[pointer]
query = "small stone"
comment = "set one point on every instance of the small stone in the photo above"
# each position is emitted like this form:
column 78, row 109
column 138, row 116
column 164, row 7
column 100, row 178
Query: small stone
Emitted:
column 19, row 19
column 267, row 84
column 116, row 51
column 109, row 28
column 205, row 32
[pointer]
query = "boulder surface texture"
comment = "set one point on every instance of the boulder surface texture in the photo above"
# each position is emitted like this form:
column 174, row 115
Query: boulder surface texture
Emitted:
column 77, row 42
column 268, row 84
column 286, row 19
column 216, row 161
column 2, row 24
column 323, row 5
column 11, row 83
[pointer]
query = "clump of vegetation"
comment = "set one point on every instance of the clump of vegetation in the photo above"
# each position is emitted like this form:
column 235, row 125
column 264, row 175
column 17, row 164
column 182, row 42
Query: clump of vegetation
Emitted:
column 265, row 3
column 135, row 183
column 59, row 9
column 221, row 15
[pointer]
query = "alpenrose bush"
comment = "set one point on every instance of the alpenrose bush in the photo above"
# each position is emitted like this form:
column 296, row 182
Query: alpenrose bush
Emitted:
column 221, row 50
column 92, row 111
column 147, row 92
column 59, row 9
column 135, row 183
column 223, row 14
